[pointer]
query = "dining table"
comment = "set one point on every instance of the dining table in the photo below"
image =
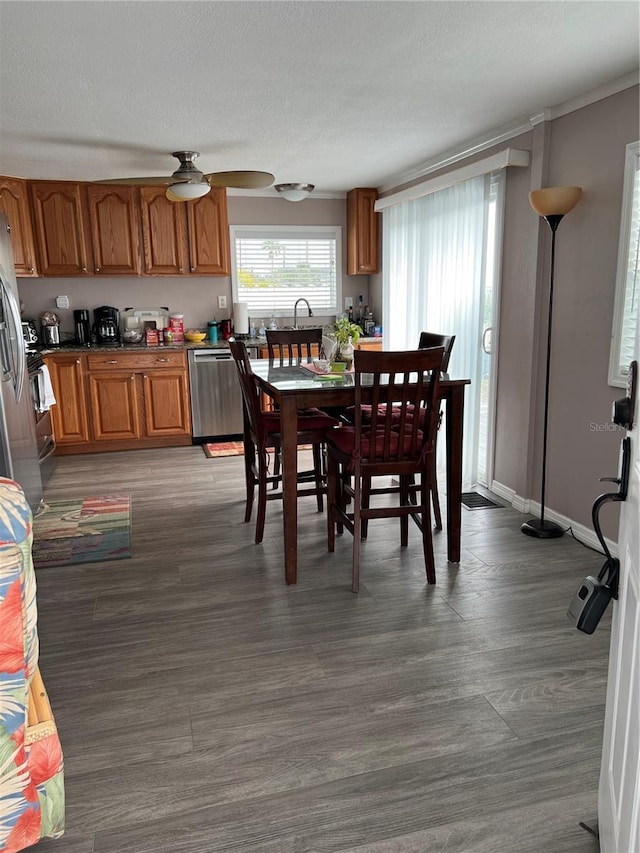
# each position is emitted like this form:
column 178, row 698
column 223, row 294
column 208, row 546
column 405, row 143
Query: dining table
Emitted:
column 293, row 386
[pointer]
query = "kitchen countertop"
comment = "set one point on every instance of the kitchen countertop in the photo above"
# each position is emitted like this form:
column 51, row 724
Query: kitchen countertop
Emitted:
column 142, row 347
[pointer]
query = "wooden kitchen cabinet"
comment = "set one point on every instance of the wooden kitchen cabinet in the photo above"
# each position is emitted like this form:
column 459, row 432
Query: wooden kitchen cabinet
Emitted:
column 114, row 405
column 164, row 233
column 59, row 228
column 208, row 229
column 184, row 238
column 166, row 403
column 363, row 232
column 115, row 229
column 69, row 416
column 126, row 400
column 14, row 201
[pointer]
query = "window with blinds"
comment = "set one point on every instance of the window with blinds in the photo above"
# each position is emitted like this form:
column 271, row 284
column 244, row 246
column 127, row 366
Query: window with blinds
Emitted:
column 627, row 298
column 273, row 267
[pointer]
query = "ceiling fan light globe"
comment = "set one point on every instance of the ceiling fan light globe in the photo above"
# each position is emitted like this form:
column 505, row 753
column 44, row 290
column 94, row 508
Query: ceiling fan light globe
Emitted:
column 186, row 191
column 294, row 192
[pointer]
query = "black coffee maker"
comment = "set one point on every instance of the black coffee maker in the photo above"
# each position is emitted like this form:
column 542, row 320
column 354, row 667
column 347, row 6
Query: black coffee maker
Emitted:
column 82, row 327
column 107, row 325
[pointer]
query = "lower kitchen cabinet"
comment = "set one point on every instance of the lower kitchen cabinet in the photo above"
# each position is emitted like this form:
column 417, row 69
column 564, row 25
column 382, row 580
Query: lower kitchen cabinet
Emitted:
column 127, row 400
column 69, row 416
column 114, row 406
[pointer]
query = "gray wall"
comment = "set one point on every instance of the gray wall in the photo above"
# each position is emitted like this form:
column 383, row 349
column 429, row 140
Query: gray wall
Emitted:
column 584, row 148
column 195, row 297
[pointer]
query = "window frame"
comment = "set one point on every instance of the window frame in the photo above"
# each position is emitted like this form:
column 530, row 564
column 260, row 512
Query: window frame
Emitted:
column 617, row 372
column 288, row 232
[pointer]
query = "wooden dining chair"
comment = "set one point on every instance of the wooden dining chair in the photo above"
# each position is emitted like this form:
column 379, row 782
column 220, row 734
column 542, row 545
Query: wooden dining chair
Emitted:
column 262, row 433
column 433, row 339
column 294, row 345
column 428, row 340
column 397, row 441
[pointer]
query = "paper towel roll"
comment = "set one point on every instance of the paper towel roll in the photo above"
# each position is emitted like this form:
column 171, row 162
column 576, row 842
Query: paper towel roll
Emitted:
column 241, row 318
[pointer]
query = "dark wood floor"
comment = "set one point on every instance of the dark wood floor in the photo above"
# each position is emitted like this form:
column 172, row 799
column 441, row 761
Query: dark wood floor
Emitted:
column 205, row 706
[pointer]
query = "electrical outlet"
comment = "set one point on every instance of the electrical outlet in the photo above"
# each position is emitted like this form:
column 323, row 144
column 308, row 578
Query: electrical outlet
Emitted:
column 348, row 302
column 222, row 301
column 62, row 301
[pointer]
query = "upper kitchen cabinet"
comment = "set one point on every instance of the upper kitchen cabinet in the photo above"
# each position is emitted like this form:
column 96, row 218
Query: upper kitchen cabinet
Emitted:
column 184, row 238
column 164, row 233
column 14, row 201
column 208, row 228
column 58, row 222
column 362, row 232
column 115, row 229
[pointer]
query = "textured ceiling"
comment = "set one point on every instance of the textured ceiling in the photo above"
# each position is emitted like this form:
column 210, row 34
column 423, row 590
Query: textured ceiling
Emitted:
column 338, row 94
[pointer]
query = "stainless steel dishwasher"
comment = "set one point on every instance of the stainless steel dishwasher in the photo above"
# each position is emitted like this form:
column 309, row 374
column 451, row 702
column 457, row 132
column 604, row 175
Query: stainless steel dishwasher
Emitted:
column 216, row 399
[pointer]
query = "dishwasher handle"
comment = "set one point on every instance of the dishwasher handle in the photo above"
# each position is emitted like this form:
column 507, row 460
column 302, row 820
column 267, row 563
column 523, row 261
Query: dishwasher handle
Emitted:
column 222, row 355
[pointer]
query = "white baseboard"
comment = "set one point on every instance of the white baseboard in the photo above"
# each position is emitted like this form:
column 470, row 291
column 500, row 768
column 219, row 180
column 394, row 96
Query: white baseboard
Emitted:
column 582, row 533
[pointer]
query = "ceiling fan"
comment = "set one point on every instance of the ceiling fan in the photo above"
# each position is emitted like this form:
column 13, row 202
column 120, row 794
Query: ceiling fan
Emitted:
column 188, row 182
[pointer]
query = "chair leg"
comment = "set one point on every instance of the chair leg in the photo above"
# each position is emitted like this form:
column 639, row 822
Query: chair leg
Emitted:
column 317, row 470
column 355, row 564
column 404, row 519
column 433, row 475
column 332, row 497
column 427, row 539
column 276, row 467
column 250, row 484
column 262, row 496
column 366, row 497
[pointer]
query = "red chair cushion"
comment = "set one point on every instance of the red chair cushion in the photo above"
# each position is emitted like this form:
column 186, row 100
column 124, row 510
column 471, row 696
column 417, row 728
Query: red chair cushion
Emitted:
column 345, row 439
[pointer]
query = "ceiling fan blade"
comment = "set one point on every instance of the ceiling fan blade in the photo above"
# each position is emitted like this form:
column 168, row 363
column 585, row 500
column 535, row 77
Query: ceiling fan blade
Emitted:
column 142, row 182
column 241, row 180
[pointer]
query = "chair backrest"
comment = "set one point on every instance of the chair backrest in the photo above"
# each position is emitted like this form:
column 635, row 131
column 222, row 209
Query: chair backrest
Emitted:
column 433, row 339
column 250, row 391
column 404, row 388
column 290, row 345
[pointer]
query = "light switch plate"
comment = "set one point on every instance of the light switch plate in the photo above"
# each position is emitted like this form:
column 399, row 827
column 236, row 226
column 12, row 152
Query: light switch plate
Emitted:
column 62, row 301
column 222, row 301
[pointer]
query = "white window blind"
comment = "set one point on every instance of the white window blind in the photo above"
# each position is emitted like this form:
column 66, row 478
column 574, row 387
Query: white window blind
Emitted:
column 627, row 298
column 273, row 267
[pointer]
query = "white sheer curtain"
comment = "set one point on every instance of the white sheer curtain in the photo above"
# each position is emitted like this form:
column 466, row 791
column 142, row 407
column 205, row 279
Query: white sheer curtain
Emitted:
column 434, row 266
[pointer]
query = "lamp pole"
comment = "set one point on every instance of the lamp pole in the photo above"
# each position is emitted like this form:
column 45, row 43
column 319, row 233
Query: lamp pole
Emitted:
column 551, row 204
column 539, row 527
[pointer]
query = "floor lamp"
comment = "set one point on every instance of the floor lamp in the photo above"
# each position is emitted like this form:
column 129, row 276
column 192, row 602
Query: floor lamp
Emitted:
column 552, row 204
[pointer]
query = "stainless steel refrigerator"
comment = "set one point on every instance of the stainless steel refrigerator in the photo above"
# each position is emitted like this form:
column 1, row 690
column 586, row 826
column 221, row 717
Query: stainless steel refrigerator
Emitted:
column 18, row 448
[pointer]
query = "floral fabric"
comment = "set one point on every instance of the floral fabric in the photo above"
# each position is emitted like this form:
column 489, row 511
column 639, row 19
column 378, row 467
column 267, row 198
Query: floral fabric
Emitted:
column 31, row 766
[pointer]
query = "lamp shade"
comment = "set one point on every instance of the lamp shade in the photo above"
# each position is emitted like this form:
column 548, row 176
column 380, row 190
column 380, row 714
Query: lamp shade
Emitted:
column 186, row 191
column 294, row 192
column 554, row 201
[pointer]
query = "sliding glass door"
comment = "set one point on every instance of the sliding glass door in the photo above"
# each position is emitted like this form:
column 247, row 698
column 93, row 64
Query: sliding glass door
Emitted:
column 441, row 274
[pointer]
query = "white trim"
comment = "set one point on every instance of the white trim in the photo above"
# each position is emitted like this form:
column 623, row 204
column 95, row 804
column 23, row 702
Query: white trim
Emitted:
column 506, row 157
column 616, row 377
column 508, row 131
column 582, row 533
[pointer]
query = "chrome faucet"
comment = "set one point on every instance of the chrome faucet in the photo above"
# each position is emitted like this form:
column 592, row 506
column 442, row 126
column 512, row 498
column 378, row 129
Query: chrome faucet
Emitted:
column 295, row 311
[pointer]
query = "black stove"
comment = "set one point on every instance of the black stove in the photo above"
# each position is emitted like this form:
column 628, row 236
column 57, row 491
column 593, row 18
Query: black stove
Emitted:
column 34, row 361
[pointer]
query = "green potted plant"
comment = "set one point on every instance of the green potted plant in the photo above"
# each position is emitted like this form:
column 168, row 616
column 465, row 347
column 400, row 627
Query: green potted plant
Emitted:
column 346, row 334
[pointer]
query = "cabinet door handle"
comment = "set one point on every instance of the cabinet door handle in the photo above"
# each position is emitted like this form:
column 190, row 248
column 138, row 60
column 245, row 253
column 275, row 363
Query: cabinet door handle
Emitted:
column 162, row 359
column 112, row 361
column 145, row 377
column 77, row 361
column 84, row 269
column 97, row 269
column 132, row 377
column 33, row 269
